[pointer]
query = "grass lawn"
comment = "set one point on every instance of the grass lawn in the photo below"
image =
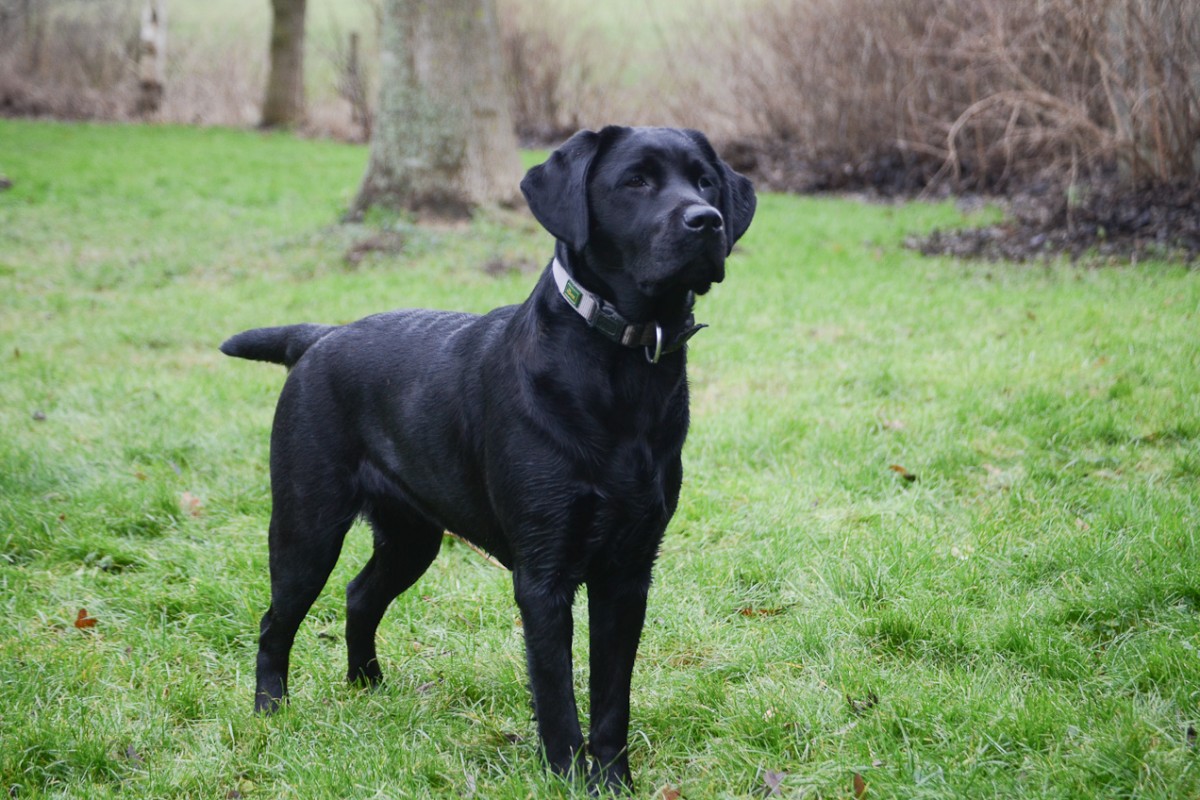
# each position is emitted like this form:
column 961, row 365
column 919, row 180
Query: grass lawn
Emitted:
column 938, row 529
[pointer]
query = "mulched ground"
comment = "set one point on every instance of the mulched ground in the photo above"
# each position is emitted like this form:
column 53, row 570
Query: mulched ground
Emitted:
column 1104, row 220
column 1108, row 222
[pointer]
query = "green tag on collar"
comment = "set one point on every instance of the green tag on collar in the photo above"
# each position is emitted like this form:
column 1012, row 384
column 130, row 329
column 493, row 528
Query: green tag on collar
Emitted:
column 572, row 293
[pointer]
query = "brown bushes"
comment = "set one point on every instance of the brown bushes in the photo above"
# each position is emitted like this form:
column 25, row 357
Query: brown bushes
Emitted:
column 560, row 76
column 67, row 59
column 77, row 59
column 995, row 91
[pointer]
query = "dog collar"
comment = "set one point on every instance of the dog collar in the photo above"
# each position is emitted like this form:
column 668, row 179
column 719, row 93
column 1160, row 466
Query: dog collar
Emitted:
column 603, row 317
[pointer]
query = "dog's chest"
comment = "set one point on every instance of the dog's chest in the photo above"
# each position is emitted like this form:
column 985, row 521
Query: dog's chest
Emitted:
column 620, row 517
column 635, row 473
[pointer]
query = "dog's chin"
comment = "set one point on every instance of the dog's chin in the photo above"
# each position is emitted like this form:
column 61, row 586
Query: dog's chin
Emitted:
column 697, row 277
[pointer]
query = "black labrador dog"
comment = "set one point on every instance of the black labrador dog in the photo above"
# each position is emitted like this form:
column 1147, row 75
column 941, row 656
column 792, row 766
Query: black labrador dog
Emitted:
column 547, row 433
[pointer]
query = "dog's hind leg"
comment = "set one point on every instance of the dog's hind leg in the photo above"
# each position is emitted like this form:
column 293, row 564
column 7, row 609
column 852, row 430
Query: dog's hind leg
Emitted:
column 306, row 534
column 405, row 545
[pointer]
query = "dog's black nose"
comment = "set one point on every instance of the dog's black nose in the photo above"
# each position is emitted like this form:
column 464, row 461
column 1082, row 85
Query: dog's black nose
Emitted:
column 703, row 218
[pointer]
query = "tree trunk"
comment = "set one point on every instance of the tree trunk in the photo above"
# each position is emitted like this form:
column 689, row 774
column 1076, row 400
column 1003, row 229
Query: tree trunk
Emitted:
column 442, row 142
column 283, row 105
column 152, row 58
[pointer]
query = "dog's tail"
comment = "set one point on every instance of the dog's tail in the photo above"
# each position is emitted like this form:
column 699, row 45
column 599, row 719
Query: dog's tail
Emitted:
column 283, row 345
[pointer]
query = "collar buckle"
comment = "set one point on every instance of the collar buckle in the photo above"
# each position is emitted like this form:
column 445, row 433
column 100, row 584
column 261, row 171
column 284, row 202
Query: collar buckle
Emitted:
column 609, row 322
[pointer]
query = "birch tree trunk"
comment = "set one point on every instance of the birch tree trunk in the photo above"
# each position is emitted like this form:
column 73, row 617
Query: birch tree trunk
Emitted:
column 283, row 105
column 442, row 142
column 152, row 58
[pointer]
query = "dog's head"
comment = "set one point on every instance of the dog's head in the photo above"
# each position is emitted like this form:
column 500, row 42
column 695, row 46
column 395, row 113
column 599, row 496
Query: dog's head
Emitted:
column 649, row 210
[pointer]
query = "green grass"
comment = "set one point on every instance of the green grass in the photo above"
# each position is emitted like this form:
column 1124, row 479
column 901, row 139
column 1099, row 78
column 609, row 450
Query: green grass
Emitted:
column 1020, row 620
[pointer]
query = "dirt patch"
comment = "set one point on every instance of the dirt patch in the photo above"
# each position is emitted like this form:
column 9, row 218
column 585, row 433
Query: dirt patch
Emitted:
column 1102, row 216
column 386, row 242
column 1106, row 221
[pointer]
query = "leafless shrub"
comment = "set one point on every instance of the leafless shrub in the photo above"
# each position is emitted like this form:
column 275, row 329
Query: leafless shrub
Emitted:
column 78, row 59
column 352, row 84
column 994, row 90
column 211, row 81
column 558, row 78
column 1094, row 83
column 535, row 69
column 69, row 58
column 351, row 55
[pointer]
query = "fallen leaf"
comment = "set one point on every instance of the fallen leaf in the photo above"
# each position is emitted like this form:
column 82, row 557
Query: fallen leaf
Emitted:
column 1083, row 526
column 191, row 504
column 772, row 781
column 670, row 793
column 82, row 620
column 749, row 611
column 903, row 473
column 133, row 755
column 1191, row 735
column 860, row 787
column 39, row 416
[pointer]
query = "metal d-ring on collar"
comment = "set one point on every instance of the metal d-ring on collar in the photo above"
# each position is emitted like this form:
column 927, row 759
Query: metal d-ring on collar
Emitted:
column 653, row 359
column 602, row 317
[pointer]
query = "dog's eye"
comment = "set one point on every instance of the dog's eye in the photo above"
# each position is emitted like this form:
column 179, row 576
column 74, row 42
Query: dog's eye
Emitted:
column 704, row 183
column 636, row 182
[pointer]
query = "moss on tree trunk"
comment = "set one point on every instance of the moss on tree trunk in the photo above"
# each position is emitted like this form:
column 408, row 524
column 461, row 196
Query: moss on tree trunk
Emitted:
column 442, row 142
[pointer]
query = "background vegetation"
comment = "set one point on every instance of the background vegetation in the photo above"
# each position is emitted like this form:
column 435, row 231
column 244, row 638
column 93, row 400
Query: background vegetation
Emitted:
column 986, row 93
column 938, row 536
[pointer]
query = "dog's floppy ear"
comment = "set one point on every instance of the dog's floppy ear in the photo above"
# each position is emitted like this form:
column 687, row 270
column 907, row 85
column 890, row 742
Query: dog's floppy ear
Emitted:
column 737, row 201
column 557, row 189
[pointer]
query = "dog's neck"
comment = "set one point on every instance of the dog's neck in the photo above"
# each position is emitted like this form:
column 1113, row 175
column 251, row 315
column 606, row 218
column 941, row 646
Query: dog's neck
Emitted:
column 669, row 309
column 661, row 325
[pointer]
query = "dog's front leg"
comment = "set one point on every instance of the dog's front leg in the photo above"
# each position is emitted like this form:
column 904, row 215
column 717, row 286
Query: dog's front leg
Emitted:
column 546, row 618
column 616, row 613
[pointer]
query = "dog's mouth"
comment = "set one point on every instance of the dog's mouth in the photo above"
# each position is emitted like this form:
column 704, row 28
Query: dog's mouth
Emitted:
column 697, row 275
